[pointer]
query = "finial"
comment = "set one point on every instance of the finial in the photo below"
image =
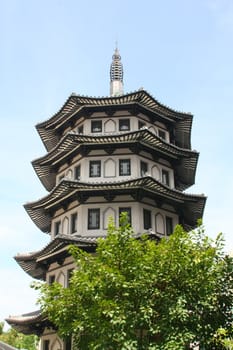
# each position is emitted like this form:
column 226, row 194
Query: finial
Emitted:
column 116, row 74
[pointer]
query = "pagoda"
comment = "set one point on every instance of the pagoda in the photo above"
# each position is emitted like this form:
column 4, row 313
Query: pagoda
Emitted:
column 123, row 153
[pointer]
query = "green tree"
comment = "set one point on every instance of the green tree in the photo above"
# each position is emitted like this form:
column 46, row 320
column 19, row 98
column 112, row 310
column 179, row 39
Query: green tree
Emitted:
column 224, row 339
column 19, row 340
column 1, row 327
column 143, row 294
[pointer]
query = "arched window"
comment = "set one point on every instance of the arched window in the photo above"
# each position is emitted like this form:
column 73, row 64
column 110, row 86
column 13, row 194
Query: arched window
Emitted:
column 155, row 172
column 110, row 126
column 56, row 345
column 109, row 212
column 61, row 279
column 65, row 226
column 159, row 223
column 109, row 168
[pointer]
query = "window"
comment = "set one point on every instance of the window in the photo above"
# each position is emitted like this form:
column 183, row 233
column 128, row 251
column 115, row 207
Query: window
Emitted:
column 126, row 210
column 141, row 124
column 162, row 134
column 95, row 168
column 169, row 225
column 124, row 124
column 144, row 168
column 51, row 279
column 124, row 167
column 77, row 172
column 96, row 126
column 46, row 344
column 57, row 228
column 69, row 275
column 80, row 129
column 147, row 219
column 73, row 222
column 165, row 177
column 93, row 219
column 68, row 343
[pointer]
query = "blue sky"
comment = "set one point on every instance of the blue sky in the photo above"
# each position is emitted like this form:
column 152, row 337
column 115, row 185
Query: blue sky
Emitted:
column 180, row 51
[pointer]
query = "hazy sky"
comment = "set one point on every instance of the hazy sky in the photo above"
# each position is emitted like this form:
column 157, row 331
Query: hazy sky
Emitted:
column 180, row 51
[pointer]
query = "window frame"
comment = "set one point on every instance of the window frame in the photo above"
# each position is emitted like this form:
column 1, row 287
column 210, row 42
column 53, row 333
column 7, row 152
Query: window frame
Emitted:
column 164, row 133
column 95, row 162
column 166, row 177
column 169, row 225
column 124, row 124
column 77, row 172
column 143, row 172
column 51, row 279
column 128, row 161
column 46, row 344
column 141, row 124
column 146, row 225
column 74, row 223
column 80, row 129
column 57, row 227
column 68, row 343
column 68, row 276
column 94, row 126
column 128, row 210
column 90, row 226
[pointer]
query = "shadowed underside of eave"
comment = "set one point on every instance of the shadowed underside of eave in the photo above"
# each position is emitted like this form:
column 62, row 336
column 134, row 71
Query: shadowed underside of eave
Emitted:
column 31, row 323
column 35, row 263
column 51, row 129
column 191, row 205
column 73, row 144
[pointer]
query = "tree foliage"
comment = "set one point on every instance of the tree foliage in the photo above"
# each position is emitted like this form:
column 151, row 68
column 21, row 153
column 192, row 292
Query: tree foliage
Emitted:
column 143, row 294
column 18, row 340
column 1, row 327
column 224, row 339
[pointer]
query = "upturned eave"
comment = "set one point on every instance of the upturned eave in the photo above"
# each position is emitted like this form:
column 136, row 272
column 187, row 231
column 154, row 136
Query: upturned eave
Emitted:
column 50, row 130
column 34, row 263
column 31, row 323
column 72, row 143
column 68, row 190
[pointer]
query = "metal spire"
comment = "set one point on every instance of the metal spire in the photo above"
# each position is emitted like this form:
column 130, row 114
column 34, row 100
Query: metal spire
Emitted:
column 116, row 74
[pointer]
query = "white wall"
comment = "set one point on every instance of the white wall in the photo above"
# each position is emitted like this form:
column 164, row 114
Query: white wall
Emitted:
column 112, row 209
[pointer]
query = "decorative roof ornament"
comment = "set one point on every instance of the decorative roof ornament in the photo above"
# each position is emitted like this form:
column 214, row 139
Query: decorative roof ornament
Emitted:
column 116, row 74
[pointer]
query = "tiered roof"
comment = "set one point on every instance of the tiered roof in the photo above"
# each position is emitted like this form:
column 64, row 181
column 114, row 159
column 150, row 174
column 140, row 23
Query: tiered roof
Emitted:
column 35, row 263
column 31, row 323
column 73, row 143
column 76, row 106
column 62, row 144
column 66, row 191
